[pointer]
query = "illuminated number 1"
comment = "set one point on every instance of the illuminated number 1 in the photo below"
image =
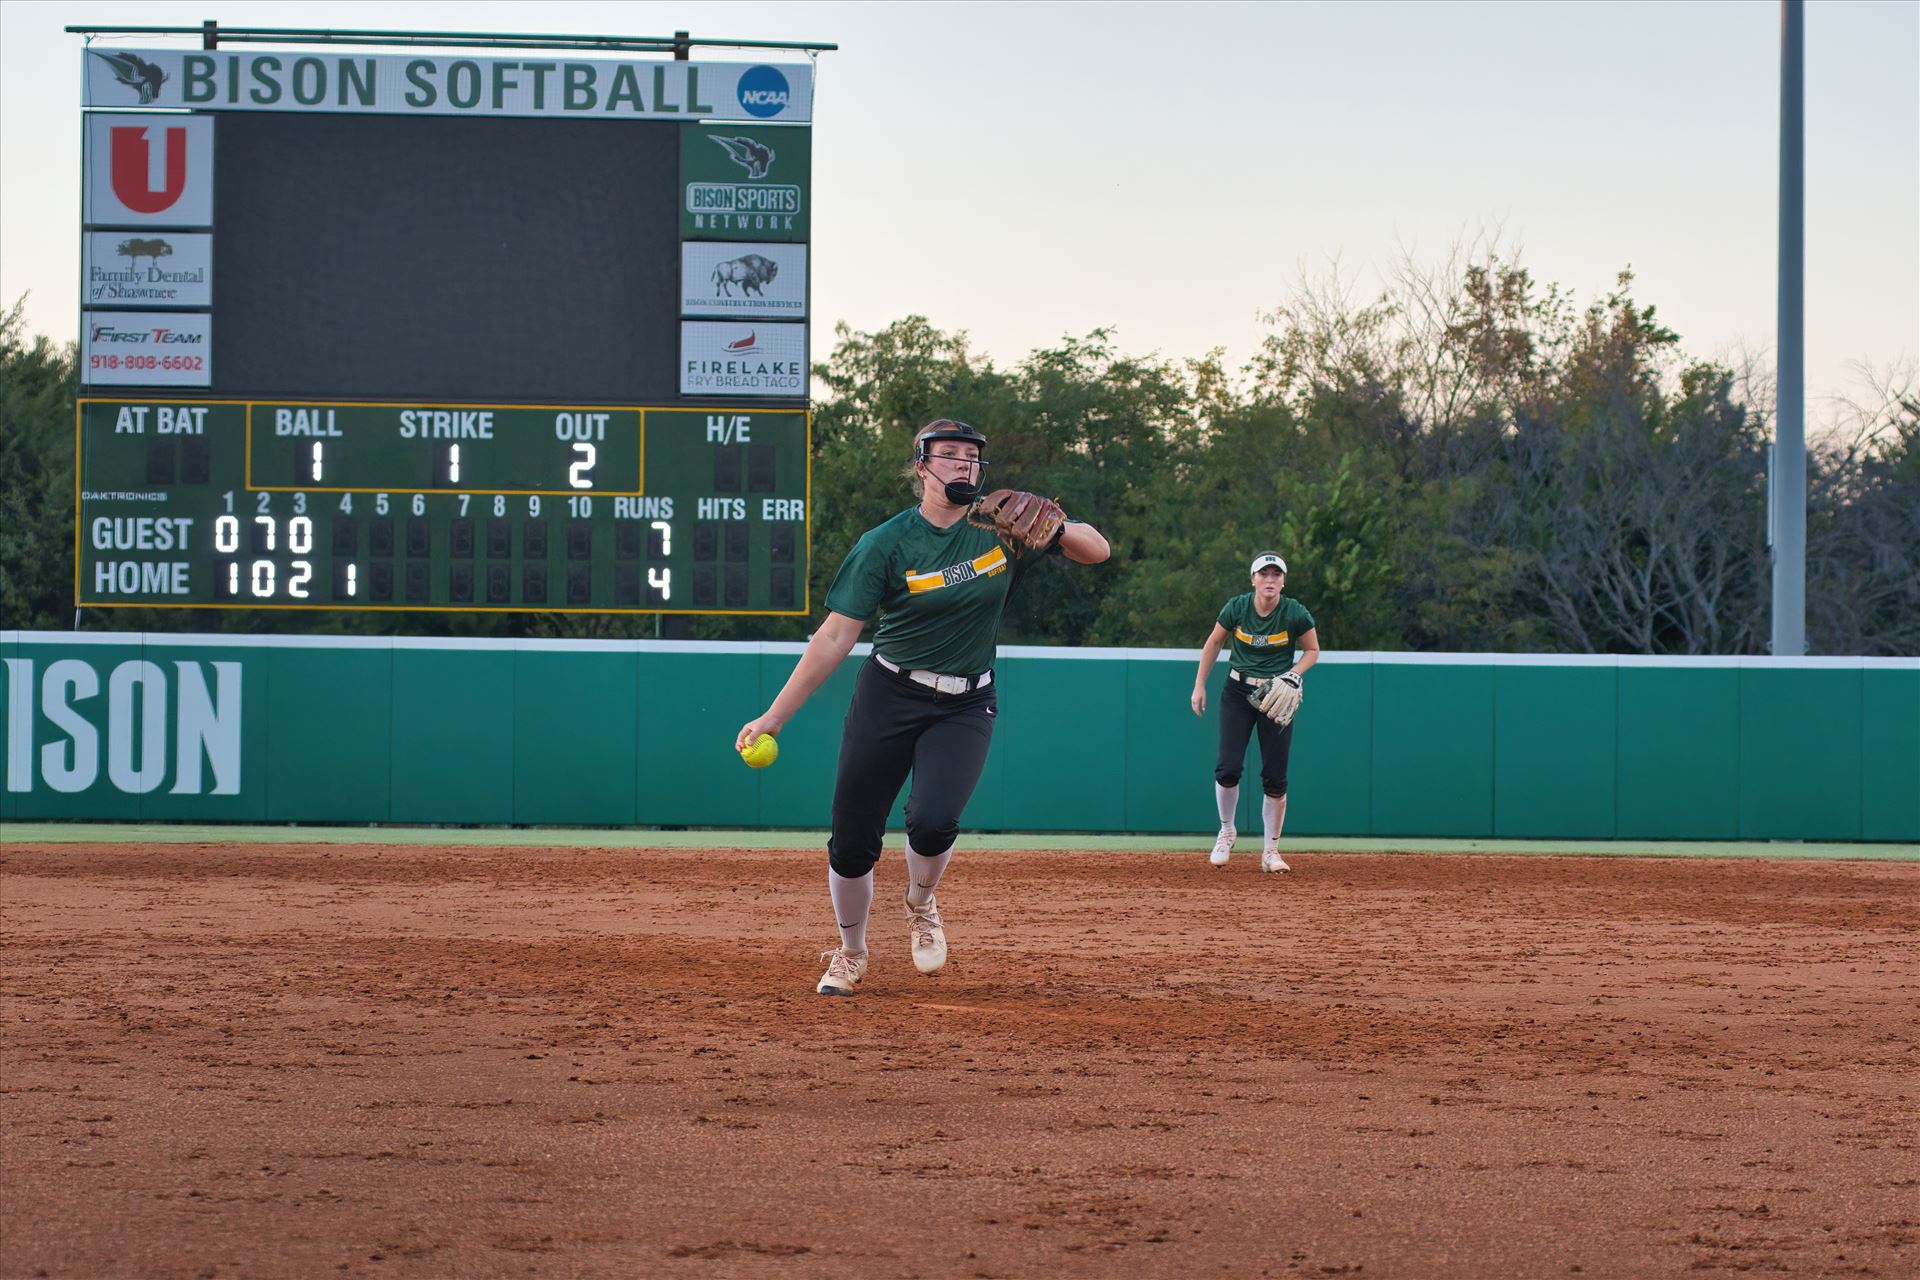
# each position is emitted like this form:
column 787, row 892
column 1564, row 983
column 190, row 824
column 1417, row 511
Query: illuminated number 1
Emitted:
column 453, row 464
column 318, row 449
column 577, row 473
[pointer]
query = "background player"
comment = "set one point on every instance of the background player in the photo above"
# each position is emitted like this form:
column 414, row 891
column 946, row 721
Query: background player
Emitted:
column 925, row 702
column 1272, row 638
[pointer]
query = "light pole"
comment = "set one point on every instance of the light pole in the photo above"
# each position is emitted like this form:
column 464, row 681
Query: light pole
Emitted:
column 1788, row 492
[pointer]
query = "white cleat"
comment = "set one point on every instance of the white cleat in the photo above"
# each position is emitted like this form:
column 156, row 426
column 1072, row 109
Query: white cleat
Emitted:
column 1273, row 862
column 1222, row 847
column 844, row 969
column 928, row 935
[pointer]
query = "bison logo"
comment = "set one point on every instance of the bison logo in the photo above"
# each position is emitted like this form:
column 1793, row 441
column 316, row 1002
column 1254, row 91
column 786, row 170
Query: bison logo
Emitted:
column 136, row 73
column 751, row 272
column 153, row 250
column 755, row 157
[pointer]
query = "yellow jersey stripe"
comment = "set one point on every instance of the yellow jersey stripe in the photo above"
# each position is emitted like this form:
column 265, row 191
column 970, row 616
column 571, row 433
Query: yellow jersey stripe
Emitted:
column 994, row 561
column 1260, row 642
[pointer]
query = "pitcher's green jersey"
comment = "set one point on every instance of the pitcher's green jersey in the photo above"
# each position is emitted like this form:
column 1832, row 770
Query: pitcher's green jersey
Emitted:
column 938, row 593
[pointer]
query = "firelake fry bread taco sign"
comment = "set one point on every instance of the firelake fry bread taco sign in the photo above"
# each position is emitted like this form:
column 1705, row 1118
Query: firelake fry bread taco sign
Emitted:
column 386, row 84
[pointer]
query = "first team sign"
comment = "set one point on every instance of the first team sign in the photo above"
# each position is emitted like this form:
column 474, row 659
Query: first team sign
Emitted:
column 395, row 85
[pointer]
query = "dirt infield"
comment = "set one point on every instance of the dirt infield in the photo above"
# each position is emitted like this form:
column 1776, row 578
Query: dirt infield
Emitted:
column 310, row 1060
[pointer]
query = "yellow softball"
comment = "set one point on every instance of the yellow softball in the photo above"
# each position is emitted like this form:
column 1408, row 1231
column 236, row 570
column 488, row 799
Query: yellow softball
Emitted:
column 761, row 752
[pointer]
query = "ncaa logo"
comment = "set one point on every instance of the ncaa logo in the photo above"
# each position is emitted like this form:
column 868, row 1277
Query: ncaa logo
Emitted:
column 763, row 92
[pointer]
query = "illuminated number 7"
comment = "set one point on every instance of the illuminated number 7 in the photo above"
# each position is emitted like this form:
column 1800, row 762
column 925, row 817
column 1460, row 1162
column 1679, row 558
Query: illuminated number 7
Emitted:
column 577, row 473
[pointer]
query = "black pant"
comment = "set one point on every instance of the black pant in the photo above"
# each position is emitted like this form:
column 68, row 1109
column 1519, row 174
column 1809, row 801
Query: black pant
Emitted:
column 1238, row 717
column 895, row 726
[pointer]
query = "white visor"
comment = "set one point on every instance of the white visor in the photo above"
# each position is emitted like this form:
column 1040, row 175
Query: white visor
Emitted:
column 1268, row 561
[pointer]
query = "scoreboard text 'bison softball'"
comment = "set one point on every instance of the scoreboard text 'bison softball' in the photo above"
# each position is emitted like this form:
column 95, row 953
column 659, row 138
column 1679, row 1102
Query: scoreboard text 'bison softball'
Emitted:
column 444, row 332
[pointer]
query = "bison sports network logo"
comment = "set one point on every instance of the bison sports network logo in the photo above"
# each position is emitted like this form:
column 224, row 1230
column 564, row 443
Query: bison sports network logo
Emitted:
column 136, row 73
column 764, row 92
column 755, row 157
column 740, row 183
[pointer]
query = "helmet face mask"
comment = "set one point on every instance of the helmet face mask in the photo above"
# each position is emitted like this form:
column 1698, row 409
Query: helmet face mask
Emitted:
column 960, row 493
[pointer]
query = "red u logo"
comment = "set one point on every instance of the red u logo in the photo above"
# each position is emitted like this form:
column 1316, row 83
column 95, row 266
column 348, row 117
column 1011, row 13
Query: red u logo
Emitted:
column 133, row 166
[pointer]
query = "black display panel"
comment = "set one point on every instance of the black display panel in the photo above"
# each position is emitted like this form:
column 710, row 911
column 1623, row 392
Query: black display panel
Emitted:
column 450, row 259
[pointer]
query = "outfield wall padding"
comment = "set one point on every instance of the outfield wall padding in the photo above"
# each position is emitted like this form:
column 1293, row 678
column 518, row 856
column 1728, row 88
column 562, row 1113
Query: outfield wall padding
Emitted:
column 636, row 733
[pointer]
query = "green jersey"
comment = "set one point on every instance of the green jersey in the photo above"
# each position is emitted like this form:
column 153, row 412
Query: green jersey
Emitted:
column 939, row 593
column 1264, row 646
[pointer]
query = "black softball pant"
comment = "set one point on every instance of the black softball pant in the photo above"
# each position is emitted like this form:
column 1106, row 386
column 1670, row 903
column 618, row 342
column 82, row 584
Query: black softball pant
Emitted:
column 1238, row 718
column 895, row 727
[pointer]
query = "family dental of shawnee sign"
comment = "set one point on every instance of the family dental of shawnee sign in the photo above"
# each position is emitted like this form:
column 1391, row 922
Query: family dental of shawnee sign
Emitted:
column 400, row 85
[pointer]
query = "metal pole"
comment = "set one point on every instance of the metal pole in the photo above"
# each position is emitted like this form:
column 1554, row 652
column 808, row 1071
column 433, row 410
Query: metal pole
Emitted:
column 1789, row 489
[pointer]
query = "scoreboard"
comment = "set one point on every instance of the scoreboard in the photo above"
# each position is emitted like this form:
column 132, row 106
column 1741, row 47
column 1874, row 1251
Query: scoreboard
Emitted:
column 445, row 332
column 307, row 505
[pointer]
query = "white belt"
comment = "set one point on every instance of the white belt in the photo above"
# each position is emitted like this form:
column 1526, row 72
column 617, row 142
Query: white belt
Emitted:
column 1255, row 681
column 939, row 683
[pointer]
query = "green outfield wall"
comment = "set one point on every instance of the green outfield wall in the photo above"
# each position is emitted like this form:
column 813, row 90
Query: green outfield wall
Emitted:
column 635, row 733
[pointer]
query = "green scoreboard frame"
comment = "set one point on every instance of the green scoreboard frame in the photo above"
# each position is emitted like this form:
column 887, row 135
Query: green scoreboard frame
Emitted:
column 262, row 504
column 390, row 345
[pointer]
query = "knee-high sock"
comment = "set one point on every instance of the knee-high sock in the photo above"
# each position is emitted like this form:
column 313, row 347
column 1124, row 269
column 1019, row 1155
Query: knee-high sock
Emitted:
column 1273, row 813
column 852, row 899
column 923, row 873
column 1228, row 798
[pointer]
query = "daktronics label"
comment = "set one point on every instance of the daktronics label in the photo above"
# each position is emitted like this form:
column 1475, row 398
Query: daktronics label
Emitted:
column 730, row 278
column 744, row 183
column 734, row 358
column 154, row 349
column 149, row 269
column 149, row 170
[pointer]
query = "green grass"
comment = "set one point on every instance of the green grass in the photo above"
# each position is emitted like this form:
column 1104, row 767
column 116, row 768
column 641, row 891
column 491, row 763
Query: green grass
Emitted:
column 628, row 837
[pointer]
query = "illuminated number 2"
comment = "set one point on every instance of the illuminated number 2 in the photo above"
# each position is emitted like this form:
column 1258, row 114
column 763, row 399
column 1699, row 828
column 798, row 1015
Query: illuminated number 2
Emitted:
column 577, row 473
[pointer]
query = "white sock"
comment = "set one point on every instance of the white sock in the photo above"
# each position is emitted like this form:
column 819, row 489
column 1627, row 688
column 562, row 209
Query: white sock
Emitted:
column 923, row 874
column 1228, row 799
column 852, row 899
column 1273, row 812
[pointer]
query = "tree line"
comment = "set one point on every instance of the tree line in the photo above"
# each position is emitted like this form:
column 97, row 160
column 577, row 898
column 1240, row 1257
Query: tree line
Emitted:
column 1467, row 461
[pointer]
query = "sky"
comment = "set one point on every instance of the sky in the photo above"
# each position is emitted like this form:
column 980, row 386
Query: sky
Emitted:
column 1028, row 171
